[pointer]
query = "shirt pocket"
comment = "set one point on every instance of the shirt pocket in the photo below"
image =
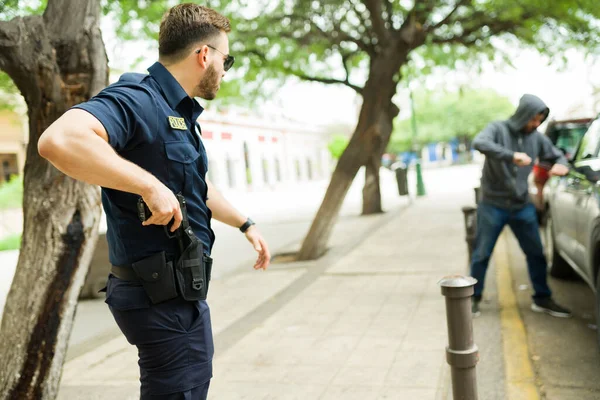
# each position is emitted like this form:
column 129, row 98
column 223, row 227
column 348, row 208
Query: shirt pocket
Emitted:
column 182, row 158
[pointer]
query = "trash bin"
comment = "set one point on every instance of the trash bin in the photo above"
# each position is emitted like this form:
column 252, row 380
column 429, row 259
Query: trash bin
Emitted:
column 470, row 216
column 477, row 194
column 401, row 171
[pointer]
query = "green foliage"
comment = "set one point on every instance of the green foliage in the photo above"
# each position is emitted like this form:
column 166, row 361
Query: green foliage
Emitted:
column 12, row 242
column 11, row 193
column 337, row 145
column 471, row 34
column 8, row 93
column 442, row 116
column 335, row 41
column 10, row 9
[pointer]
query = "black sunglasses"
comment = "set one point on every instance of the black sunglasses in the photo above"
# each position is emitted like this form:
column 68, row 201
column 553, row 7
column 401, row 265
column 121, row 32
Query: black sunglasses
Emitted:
column 229, row 60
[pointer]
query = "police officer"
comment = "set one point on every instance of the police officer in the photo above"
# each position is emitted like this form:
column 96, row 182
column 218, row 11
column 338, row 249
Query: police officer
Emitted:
column 138, row 138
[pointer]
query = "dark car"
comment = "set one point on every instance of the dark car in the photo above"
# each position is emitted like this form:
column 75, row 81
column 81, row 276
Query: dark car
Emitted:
column 566, row 135
column 572, row 229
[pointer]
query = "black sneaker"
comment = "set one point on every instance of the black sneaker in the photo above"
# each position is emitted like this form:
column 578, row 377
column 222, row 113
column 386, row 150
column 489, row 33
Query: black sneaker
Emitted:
column 475, row 307
column 548, row 306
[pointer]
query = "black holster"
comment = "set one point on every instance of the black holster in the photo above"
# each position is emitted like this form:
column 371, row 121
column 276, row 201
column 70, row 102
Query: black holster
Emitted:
column 191, row 274
column 193, row 268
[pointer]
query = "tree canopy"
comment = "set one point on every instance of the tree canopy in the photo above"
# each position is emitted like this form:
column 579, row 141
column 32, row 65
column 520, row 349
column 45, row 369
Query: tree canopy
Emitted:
column 333, row 41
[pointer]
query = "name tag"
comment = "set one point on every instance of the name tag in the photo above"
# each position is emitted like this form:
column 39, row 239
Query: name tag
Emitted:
column 177, row 123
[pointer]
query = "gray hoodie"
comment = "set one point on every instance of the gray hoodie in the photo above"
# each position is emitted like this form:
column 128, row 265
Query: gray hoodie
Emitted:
column 503, row 183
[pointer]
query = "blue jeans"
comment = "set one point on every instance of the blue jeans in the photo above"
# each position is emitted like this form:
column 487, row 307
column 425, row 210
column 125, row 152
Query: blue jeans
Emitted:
column 524, row 224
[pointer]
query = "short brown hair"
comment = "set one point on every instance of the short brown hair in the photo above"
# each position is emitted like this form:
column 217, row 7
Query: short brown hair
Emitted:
column 186, row 24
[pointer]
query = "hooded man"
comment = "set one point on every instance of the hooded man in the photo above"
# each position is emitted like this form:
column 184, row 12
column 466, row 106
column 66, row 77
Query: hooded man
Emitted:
column 510, row 147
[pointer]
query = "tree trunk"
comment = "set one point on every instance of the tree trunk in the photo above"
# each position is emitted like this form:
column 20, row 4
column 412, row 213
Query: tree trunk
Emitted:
column 370, row 137
column 56, row 60
column 371, row 190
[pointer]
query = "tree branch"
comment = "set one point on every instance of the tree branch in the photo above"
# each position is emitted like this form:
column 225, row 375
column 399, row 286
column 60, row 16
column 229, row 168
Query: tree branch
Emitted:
column 335, row 37
column 345, row 37
column 496, row 27
column 345, row 59
column 411, row 33
column 445, row 20
column 390, row 12
column 327, row 81
column 374, row 7
column 359, row 14
column 18, row 54
column 10, row 34
column 303, row 76
column 422, row 10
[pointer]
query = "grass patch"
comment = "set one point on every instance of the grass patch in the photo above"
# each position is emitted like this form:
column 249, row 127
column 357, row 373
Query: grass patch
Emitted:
column 11, row 193
column 12, row 242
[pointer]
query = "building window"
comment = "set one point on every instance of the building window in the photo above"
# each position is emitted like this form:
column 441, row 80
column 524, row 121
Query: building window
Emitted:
column 247, row 164
column 277, row 170
column 265, row 167
column 211, row 172
column 298, row 170
column 230, row 172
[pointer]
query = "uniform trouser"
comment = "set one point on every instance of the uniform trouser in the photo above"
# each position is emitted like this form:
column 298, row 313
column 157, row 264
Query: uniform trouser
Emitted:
column 199, row 392
column 174, row 341
column 524, row 224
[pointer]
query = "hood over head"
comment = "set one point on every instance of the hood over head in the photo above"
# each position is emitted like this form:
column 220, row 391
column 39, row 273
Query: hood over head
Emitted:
column 529, row 107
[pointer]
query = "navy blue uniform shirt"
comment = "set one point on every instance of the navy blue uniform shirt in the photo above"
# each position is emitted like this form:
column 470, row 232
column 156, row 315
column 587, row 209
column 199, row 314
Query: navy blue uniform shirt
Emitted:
column 151, row 121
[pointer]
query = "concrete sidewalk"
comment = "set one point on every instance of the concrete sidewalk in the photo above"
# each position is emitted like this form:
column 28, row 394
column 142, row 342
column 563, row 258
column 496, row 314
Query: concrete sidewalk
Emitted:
column 367, row 321
column 370, row 326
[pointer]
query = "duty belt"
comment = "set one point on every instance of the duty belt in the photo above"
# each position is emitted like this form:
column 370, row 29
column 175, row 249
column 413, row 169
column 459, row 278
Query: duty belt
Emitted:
column 126, row 272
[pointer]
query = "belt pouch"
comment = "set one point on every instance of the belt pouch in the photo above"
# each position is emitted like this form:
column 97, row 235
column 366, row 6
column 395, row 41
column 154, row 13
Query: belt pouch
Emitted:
column 208, row 268
column 191, row 272
column 157, row 277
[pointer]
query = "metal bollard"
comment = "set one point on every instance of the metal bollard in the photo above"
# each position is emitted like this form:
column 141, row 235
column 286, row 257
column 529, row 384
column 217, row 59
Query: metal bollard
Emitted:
column 462, row 354
column 470, row 215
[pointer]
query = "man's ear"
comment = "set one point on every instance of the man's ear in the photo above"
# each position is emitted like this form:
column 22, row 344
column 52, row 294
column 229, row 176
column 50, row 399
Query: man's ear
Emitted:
column 202, row 55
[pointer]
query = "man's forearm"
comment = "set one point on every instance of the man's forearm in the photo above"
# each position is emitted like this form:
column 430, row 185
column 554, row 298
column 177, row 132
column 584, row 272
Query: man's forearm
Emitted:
column 222, row 210
column 485, row 144
column 85, row 156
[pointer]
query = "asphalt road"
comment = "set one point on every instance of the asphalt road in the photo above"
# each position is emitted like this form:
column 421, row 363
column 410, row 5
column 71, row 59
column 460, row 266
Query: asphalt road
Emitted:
column 565, row 352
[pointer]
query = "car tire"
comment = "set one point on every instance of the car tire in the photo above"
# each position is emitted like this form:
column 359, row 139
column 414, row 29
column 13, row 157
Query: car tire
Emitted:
column 557, row 265
column 598, row 308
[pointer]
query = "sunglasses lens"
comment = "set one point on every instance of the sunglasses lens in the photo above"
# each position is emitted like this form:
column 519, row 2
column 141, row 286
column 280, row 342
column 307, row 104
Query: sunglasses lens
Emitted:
column 228, row 63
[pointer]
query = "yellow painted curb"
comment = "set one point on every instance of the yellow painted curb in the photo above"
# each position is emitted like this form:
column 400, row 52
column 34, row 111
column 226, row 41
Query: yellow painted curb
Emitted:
column 520, row 379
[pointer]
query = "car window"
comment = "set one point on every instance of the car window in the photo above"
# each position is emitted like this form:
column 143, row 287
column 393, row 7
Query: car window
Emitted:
column 589, row 143
column 567, row 139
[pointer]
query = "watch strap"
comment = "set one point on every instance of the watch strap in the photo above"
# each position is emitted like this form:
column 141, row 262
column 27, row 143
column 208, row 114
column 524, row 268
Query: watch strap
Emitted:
column 246, row 225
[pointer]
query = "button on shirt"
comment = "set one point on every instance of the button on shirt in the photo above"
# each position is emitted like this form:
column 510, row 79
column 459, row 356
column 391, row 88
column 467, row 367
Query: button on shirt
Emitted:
column 151, row 121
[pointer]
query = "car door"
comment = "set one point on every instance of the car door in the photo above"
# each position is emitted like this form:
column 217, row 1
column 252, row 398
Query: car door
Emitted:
column 569, row 194
column 584, row 175
column 562, row 209
column 586, row 213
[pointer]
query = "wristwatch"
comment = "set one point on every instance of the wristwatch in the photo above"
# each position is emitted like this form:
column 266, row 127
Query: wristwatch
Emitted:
column 247, row 225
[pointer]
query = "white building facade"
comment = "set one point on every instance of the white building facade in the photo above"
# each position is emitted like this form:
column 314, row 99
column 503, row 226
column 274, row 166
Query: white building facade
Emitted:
column 248, row 154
